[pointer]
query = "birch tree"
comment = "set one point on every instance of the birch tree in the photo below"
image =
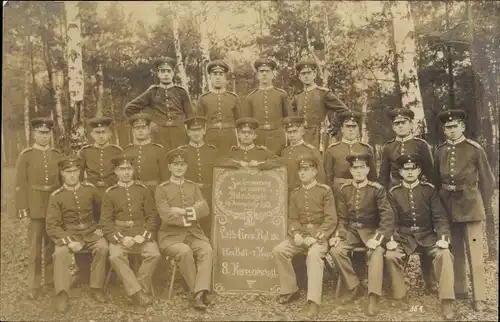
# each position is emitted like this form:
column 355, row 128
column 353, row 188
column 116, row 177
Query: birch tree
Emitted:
column 177, row 45
column 26, row 109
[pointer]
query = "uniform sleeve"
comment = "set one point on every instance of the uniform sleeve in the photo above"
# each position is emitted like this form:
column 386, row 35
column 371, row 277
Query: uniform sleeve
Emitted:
column 385, row 171
column 246, row 107
column 294, row 225
column 272, row 162
column 343, row 216
column 386, row 225
column 286, row 105
column 329, row 164
column 437, row 172
column 54, row 223
column 139, row 103
column 428, row 163
column 294, row 106
column 330, row 220
column 372, row 174
column 22, row 186
column 486, row 177
column 237, row 111
column 167, row 217
column 81, row 154
column 186, row 104
column 200, row 208
column 321, row 176
column 96, row 204
column 202, row 107
column 440, row 218
column 163, row 165
column 333, row 103
column 107, row 223
column 151, row 213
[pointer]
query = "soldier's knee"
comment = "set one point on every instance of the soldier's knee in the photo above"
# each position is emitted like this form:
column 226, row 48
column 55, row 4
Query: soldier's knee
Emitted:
column 206, row 251
column 392, row 256
column 115, row 251
column 184, row 251
column 61, row 251
column 102, row 247
column 278, row 251
column 337, row 251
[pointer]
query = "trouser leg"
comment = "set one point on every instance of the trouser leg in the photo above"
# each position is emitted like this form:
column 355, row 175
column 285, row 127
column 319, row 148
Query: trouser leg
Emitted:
column 118, row 257
column 375, row 270
column 48, row 250
column 283, row 254
column 442, row 261
column 62, row 260
column 315, row 269
column 474, row 242
column 202, row 252
column 458, row 249
column 343, row 264
column 150, row 259
column 100, row 251
column 35, row 236
column 394, row 260
column 185, row 258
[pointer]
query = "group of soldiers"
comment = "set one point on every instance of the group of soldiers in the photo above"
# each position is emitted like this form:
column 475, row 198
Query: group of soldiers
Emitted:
column 154, row 196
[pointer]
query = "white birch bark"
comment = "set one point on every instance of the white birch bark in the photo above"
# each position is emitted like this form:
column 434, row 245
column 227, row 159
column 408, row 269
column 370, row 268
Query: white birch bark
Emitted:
column 26, row 111
column 177, row 45
column 204, row 45
column 100, row 90
column 56, row 83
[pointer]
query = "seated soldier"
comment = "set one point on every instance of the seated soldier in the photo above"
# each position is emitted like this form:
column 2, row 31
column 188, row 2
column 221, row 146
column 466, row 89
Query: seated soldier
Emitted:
column 181, row 205
column 365, row 219
column 423, row 226
column 72, row 225
column 312, row 219
column 128, row 220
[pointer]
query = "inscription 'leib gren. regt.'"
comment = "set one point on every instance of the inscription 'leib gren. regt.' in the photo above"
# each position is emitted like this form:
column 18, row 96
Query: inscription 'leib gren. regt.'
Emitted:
column 249, row 219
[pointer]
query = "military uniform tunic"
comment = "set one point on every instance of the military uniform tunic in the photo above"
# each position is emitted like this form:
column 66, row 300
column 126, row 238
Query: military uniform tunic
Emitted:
column 97, row 164
column 37, row 176
column 72, row 217
column 168, row 107
column 149, row 163
column 269, row 106
column 221, row 109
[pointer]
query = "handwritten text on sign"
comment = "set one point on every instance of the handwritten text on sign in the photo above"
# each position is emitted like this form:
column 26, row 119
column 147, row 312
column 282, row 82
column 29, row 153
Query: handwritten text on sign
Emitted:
column 249, row 214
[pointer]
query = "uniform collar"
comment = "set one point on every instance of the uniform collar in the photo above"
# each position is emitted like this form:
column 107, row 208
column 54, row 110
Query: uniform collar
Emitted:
column 309, row 186
column 167, row 86
column 411, row 186
column 246, row 148
column 350, row 142
column 359, row 185
column 75, row 188
column 143, row 142
column 194, row 145
column 459, row 140
column 220, row 91
column 310, row 88
column 266, row 88
column 105, row 145
column 41, row 148
column 176, row 181
column 298, row 143
column 406, row 138
column 125, row 185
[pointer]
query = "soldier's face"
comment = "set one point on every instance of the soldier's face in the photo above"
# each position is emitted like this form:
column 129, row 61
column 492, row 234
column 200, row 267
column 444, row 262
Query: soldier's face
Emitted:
column 307, row 174
column 41, row 137
column 307, row 76
column 350, row 130
column 246, row 136
column 141, row 132
column 124, row 172
column 294, row 134
column 165, row 74
column 71, row 176
column 101, row 135
column 196, row 135
column 359, row 172
column 402, row 128
column 178, row 169
column 218, row 79
column 410, row 175
column 265, row 75
column 454, row 131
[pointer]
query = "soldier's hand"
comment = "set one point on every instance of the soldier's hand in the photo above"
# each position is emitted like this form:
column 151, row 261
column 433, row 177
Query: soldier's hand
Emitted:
column 334, row 241
column 154, row 127
column 99, row 232
column 139, row 239
column 309, row 241
column 443, row 244
column 75, row 246
column 253, row 163
column 297, row 239
column 128, row 241
column 244, row 164
column 78, row 247
column 392, row 244
column 372, row 243
column 178, row 211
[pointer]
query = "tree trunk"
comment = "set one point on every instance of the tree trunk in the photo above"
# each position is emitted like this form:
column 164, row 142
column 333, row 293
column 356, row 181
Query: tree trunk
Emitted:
column 177, row 45
column 33, row 79
column 100, row 89
column 205, row 48
column 26, row 114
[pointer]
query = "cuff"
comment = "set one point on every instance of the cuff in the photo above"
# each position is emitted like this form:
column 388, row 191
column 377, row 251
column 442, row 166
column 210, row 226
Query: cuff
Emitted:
column 66, row 240
column 22, row 213
column 147, row 235
column 319, row 235
column 185, row 221
column 445, row 238
column 378, row 237
column 190, row 214
column 116, row 237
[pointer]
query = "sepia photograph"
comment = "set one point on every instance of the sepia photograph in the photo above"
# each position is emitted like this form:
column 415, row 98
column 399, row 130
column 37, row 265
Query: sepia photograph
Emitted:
column 274, row 160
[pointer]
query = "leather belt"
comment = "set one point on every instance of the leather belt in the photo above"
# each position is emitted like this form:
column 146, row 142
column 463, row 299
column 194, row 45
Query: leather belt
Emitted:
column 310, row 126
column 311, row 226
column 171, row 123
column 268, row 126
column 414, row 229
column 129, row 223
column 48, row 187
column 221, row 125
column 358, row 225
column 80, row 226
column 101, row 184
column 150, row 183
column 341, row 180
column 451, row 187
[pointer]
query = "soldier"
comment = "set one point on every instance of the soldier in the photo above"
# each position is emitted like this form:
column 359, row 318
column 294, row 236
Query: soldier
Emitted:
column 97, row 157
column 423, row 226
column 269, row 105
column 128, row 220
column 181, row 205
column 365, row 219
column 336, row 166
column 312, row 220
column 294, row 127
column 36, row 178
column 220, row 107
column 200, row 161
column 168, row 105
column 314, row 103
column 466, row 184
column 149, row 157
column 72, row 225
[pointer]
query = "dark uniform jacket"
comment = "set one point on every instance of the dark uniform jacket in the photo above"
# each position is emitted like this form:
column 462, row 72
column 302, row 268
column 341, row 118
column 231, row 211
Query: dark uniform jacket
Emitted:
column 220, row 108
column 150, row 165
column 289, row 156
column 364, row 210
column 266, row 157
column 97, row 164
column 168, row 106
column 420, row 218
column 187, row 195
column 466, row 181
column 336, row 166
column 37, row 176
column 200, row 160
column 72, row 214
column 312, row 212
column 128, row 210
column 268, row 106
column 389, row 169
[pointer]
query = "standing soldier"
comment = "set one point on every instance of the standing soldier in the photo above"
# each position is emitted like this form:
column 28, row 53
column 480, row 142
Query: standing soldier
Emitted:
column 37, row 176
column 181, row 205
column 97, row 157
column 128, row 220
column 312, row 220
column 72, row 224
column 314, row 103
column 336, row 166
column 423, row 226
column 269, row 105
column 220, row 107
column 365, row 219
column 168, row 105
column 466, row 185
column 200, row 158
column 294, row 127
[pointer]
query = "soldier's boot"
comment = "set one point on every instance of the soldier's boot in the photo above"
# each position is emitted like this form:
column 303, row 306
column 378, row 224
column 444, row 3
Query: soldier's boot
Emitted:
column 198, row 302
column 478, row 306
column 447, row 309
column 372, row 308
column 60, row 302
column 353, row 294
column 402, row 303
column 98, row 295
column 461, row 296
column 207, row 299
column 311, row 309
column 140, row 298
column 33, row 294
column 288, row 298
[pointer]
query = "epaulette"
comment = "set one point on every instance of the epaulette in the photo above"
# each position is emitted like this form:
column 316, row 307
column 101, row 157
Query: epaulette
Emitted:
column 310, row 146
column 420, row 139
column 164, row 183
column 212, row 146
column 441, row 145
column 296, row 189
column 190, row 181
column 390, row 141
column 152, row 86
column 255, row 90
column 346, row 185
column 116, row 146
column 56, row 150
column 205, row 94
column 323, row 186
column 137, row 182
column 425, row 183
column 261, row 147
column 157, row 144
column 474, row 144
column 396, row 186
column 365, row 144
column 88, row 184
column 129, row 146
column 280, row 90
column 86, row 146
column 375, row 184
column 334, row 144
column 326, row 89
column 185, row 146
column 232, row 93
column 234, row 148
column 180, row 87
column 57, row 191
column 25, row 150
column 111, row 188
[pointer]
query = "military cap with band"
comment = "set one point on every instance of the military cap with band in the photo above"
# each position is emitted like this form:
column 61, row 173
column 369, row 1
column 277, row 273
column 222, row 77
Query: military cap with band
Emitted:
column 100, row 121
column 69, row 162
column 170, row 62
column 247, row 122
column 139, row 119
column 409, row 161
column 306, row 63
column 451, row 117
column 349, row 116
column 358, row 159
column 217, row 66
column 42, row 123
column 307, row 161
column 122, row 159
column 292, row 121
column 177, row 155
column 401, row 114
column 195, row 122
column 264, row 62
